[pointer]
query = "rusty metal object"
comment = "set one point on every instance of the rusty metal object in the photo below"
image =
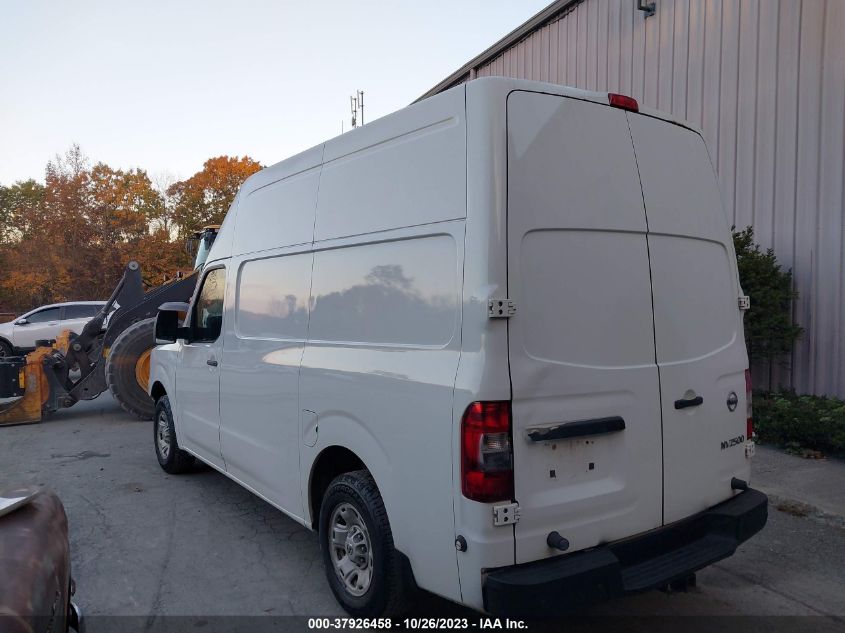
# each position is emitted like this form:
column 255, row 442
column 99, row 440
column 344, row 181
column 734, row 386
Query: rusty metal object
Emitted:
column 34, row 565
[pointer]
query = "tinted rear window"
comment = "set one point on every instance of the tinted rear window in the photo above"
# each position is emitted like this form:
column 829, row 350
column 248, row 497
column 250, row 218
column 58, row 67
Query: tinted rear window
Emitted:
column 42, row 316
column 81, row 311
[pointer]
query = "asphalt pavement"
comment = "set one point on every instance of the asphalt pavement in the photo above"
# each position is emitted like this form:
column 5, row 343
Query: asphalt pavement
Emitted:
column 153, row 546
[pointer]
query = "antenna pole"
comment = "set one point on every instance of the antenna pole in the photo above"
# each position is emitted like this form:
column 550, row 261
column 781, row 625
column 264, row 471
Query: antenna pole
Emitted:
column 356, row 105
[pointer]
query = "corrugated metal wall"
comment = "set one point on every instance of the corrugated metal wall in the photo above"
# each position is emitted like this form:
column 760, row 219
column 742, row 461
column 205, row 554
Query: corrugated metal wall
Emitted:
column 765, row 81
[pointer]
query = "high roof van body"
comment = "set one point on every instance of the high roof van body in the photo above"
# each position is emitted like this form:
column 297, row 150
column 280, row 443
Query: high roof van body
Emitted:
column 490, row 345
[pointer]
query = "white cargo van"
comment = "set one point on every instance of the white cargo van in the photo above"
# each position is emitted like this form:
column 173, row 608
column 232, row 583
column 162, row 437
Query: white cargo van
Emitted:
column 490, row 345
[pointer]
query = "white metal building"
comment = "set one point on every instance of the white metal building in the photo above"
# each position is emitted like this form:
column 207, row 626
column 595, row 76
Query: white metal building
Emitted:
column 765, row 81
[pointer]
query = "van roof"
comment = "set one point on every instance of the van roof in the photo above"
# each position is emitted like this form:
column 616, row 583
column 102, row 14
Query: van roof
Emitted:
column 507, row 84
column 384, row 128
column 313, row 156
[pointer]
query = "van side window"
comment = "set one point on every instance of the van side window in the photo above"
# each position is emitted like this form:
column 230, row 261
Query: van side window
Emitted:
column 208, row 309
column 273, row 297
column 403, row 292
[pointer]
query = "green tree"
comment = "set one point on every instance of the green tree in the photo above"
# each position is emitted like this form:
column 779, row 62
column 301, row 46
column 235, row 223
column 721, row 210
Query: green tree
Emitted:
column 18, row 205
column 770, row 331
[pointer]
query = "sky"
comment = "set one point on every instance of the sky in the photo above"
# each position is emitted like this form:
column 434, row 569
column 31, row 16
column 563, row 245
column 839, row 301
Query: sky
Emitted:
column 165, row 85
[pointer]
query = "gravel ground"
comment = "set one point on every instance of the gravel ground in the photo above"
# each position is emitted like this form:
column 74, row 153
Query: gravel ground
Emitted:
column 148, row 544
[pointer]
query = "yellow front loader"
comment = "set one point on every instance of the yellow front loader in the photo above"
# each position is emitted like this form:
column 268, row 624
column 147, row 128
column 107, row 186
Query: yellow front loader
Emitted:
column 111, row 352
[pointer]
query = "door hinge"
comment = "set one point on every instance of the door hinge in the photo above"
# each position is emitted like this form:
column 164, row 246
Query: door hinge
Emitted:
column 744, row 302
column 506, row 514
column 501, row 308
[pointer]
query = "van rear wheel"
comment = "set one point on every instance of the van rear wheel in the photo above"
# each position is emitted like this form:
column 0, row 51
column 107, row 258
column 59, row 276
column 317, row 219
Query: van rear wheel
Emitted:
column 364, row 570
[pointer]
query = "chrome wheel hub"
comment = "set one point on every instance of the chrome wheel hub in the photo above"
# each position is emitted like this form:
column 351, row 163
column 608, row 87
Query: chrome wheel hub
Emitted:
column 351, row 549
column 163, row 435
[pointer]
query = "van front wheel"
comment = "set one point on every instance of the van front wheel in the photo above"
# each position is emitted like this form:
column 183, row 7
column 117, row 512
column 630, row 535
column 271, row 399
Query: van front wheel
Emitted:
column 172, row 459
column 363, row 568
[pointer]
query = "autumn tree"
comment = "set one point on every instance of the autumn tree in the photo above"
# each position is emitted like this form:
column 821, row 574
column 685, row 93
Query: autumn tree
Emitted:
column 33, row 270
column 70, row 238
column 205, row 197
column 161, row 257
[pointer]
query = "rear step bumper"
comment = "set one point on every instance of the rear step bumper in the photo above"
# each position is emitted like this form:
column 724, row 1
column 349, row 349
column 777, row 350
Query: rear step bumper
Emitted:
column 557, row 586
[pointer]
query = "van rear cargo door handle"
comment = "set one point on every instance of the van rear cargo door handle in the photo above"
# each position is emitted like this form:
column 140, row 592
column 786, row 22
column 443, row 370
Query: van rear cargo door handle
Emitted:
column 211, row 362
column 579, row 428
column 685, row 403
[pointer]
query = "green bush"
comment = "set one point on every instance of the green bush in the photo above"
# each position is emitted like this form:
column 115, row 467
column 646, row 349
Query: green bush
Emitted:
column 787, row 419
column 769, row 330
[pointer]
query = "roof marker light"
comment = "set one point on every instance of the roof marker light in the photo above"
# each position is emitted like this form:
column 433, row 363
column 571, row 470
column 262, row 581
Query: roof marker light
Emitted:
column 622, row 101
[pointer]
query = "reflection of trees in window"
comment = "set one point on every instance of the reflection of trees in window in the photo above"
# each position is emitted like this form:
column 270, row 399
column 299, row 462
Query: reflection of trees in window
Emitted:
column 209, row 307
column 389, row 275
column 282, row 307
column 285, row 317
column 387, row 308
column 273, row 297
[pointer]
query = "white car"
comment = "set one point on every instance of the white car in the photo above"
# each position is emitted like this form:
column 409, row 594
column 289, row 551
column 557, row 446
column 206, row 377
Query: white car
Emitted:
column 47, row 322
column 490, row 345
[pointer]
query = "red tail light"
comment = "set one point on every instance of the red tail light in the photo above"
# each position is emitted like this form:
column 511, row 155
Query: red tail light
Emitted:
column 622, row 101
column 749, row 423
column 486, row 456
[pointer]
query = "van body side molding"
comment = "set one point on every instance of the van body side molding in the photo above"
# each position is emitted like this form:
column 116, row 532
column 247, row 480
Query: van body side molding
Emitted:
column 578, row 428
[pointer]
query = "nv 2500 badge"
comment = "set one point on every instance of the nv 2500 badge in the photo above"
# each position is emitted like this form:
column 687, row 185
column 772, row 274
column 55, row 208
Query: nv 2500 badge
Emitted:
column 734, row 441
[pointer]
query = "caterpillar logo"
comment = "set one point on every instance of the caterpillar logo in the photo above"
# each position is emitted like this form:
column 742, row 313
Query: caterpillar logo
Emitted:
column 734, row 441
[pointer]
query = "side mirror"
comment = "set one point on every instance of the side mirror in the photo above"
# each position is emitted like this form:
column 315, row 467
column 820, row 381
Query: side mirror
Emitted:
column 169, row 323
column 22, row 322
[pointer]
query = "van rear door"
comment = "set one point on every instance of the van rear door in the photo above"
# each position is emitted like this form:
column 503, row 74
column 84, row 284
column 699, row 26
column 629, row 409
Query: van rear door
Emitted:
column 698, row 325
column 585, row 388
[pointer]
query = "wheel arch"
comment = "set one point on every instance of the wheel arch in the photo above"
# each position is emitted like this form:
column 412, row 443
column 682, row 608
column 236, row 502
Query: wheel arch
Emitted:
column 3, row 339
column 162, row 371
column 332, row 461
column 157, row 391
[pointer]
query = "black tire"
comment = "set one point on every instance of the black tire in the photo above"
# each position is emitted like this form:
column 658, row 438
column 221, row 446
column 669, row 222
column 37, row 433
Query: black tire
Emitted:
column 389, row 589
column 6, row 350
column 120, row 368
column 173, row 460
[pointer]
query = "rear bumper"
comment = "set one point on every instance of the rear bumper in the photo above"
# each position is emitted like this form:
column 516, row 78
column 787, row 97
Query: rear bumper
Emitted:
column 557, row 586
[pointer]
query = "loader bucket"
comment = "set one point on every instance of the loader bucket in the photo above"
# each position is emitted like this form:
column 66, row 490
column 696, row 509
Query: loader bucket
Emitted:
column 31, row 381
